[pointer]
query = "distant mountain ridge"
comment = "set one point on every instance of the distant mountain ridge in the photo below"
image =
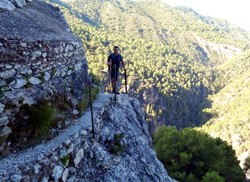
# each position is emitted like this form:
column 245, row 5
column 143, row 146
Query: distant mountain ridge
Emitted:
column 221, row 26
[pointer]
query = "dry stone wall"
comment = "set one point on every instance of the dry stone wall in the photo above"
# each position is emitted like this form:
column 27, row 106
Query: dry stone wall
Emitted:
column 39, row 59
column 38, row 70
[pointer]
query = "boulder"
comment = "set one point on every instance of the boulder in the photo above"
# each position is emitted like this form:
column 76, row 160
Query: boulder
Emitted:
column 57, row 173
column 6, row 5
column 19, row 3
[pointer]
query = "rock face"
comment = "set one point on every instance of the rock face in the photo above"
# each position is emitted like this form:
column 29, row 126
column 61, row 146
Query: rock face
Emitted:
column 39, row 59
column 12, row 5
column 121, row 151
column 242, row 158
column 6, row 5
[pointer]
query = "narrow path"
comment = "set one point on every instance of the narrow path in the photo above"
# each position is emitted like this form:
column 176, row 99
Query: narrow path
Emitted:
column 32, row 154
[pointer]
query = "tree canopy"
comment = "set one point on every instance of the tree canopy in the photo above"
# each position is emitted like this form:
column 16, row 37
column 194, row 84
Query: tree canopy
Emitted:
column 190, row 155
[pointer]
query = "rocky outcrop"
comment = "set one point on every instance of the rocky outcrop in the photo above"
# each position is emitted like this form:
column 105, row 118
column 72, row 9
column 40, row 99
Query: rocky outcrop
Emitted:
column 121, row 150
column 6, row 5
column 39, row 59
column 209, row 50
column 12, row 5
column 242, row 158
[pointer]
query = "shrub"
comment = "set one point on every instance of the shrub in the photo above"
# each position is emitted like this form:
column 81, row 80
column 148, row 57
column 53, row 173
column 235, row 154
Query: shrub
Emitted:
column 65, row 160
column 212, row 176
column 116, row 147
column 190, row 155
column 41, row 116
column 31, row 125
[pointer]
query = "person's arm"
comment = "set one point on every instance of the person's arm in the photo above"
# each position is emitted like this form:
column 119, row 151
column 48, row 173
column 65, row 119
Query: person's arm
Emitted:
column 123, row 65
column 109, row 61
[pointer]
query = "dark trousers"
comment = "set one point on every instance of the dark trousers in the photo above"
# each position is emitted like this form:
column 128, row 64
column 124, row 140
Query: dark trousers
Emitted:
column 114, row 73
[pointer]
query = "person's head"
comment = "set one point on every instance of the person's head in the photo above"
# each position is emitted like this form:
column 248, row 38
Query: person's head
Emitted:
column 116, row 50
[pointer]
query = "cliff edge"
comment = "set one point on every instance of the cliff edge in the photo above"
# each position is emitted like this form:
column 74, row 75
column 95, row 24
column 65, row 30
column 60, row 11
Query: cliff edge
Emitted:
column 121, row 150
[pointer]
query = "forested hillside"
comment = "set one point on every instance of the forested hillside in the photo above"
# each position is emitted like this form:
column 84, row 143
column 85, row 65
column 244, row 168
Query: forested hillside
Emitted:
column 185, row 68
column 193, row 156
column 169, row 52
column 230, row 111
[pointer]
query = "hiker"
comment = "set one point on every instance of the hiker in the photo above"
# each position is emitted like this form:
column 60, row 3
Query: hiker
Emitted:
column 114, row 61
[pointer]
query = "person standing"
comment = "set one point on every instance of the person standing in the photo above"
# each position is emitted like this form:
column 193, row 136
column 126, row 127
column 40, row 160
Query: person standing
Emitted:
column 114, row 61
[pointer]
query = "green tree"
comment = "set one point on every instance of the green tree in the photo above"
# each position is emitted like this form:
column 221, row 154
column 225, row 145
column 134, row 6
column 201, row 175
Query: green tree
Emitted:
column 212, row 176
column 190, row 155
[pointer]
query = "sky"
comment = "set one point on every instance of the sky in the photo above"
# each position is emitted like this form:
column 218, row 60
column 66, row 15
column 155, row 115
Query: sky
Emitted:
column 235, row 11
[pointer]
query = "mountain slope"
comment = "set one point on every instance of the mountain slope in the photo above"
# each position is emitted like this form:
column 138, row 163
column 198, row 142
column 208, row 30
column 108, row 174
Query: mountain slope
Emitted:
column 215, row 30
column 170, row 53
column 175, row 59
column 230, row 110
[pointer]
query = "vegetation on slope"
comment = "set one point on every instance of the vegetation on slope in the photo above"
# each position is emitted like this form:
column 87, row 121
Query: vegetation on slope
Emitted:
column 167, row 68
column 230, row 110
column 190, row 155
column 170, row 71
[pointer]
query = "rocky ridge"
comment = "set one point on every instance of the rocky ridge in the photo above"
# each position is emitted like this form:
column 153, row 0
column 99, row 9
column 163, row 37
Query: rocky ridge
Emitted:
column 75, row 156
column 225, row 51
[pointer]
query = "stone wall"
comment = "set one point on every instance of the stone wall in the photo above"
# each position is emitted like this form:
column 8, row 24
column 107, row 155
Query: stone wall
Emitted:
column 39, row 59
column 38, row 70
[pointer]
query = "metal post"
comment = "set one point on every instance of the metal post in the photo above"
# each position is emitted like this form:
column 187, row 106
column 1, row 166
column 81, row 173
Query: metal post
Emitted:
column 125, row 75
column 91, row 111
column 126, row 88
column 115, row 81
column 110, row 72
